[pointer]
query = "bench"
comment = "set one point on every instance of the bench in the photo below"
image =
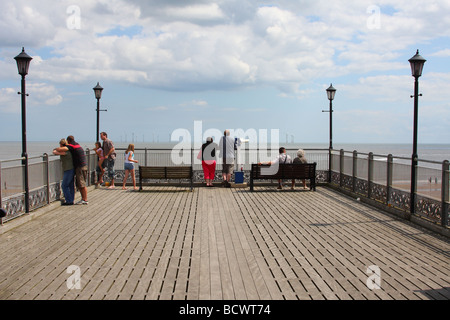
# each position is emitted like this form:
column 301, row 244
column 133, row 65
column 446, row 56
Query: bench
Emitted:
column 148, row 172
column 285, row 171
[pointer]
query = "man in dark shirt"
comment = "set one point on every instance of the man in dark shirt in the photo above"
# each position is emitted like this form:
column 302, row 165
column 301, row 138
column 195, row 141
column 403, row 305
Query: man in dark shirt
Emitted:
column 80, row 165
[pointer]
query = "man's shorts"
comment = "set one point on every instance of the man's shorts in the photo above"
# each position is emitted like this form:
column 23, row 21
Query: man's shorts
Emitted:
column 228, row 167
column 81, row 176
column 110, row 167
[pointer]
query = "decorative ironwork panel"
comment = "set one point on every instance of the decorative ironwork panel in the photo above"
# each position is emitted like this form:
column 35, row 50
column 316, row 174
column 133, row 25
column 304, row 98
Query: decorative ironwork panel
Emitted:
column 321, row 176
column 14, row 206
column 448, row 216
column 55, row 192
column 362, row 187
column 378, row 192
column 335, row 177
column 347, row 182
column 400, row 199
column 428, row 208
column 38, row 198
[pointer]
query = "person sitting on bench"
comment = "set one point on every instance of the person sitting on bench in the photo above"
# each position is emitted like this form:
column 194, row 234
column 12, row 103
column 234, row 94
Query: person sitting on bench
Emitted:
column 299, row 159
column 281, row 159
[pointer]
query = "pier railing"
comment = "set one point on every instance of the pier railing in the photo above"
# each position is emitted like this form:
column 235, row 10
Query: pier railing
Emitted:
column 385, row 179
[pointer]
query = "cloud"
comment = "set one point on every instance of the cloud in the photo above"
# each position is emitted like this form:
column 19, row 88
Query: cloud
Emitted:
column 200, row 103
column 201, row 45
column 158, row 108
column 24, row 22
column 40, row 94
column 441, row 53
column 383, row 88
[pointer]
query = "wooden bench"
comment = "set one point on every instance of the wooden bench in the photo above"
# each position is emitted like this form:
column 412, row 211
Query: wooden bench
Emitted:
column 184, row 172
column 285, row 171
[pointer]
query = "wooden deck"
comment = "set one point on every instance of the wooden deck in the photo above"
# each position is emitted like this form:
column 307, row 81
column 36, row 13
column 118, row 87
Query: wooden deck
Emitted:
column 222, row 244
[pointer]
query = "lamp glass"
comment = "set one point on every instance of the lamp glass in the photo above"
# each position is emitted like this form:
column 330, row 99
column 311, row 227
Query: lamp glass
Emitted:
column 23, row 62
column 417, row 63
column 331, row 92
column 98, row 91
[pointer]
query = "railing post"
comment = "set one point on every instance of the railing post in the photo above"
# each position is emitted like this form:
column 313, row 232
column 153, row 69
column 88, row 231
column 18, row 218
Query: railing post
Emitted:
column 47, row 176
column 355, row 169
column 341, row 168
column 330, row 157
column 88, row 158
column 26, row 182
column 145, row 157
column 370, row 175
column 445, row 193
column 390, row 167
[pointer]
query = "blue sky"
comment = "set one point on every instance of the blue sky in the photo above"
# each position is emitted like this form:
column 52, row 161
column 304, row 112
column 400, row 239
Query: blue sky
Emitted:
column 230, row 64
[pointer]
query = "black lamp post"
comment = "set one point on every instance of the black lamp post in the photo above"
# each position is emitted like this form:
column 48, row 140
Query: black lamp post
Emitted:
column 417, row 63
column 331, row 92
column 23, row 63
column 98, row 95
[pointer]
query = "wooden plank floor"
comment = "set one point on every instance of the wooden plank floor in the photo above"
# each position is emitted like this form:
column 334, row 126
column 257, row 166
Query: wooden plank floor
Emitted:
column 223, row 244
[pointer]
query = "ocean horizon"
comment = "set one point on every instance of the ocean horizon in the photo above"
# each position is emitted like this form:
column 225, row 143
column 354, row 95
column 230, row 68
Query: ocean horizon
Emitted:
column 428, row 151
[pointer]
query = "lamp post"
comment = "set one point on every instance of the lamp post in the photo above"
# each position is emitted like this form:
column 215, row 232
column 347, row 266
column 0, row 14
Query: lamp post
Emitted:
column 331, row 92
column 416, row 63
column 23, row 63
column 98, row 95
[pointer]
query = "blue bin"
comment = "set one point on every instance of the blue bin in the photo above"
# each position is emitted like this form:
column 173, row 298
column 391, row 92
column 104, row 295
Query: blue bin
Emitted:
column 239, row 177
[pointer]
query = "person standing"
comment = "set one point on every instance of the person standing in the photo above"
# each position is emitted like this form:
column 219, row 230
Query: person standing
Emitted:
column 109, row 153
column 226, row 147
column 80, row 166
column 101, row 158
column 208, row 156
column 129, row 166
column 67, row 184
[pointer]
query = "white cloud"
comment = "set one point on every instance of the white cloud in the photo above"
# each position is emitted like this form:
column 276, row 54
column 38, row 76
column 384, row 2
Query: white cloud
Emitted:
column 196, row 12
column 385, row 88
column 441, row 53
column 158, row 108
column 276, row 45
column 40, row 94
column 23, row 22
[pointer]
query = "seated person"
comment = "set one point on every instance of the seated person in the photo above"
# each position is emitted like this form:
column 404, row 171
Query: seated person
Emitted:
column 299, row 159
column 282, row 158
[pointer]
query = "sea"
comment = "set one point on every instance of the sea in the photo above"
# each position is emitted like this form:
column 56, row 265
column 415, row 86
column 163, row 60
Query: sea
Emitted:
column 432, row 152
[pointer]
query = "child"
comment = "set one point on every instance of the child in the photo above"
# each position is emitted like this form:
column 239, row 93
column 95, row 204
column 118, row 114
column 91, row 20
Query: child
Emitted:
column 129, row 166
column 101, row 157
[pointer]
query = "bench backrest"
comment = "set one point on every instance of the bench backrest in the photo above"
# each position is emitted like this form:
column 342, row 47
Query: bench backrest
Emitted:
column 285, row 171
column 146, row 172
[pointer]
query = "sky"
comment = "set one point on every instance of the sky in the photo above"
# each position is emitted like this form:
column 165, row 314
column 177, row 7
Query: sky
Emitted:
column 252, row 65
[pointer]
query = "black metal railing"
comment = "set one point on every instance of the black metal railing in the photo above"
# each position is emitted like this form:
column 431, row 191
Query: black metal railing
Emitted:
column 383, row 178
